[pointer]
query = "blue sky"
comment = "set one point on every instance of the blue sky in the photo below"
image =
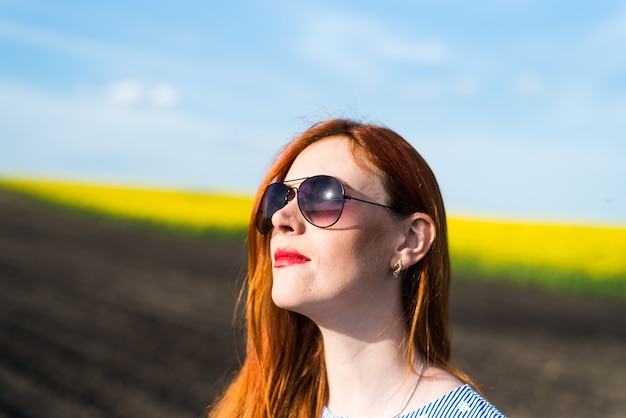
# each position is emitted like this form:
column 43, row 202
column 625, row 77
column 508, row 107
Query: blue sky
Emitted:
column 518, row 105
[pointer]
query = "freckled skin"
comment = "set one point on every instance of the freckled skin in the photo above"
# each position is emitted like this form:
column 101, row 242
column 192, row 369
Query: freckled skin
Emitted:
column 349, row 261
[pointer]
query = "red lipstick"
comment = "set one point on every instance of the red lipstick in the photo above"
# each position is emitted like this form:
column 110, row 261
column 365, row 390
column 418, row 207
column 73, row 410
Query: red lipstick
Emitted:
column 284, row 257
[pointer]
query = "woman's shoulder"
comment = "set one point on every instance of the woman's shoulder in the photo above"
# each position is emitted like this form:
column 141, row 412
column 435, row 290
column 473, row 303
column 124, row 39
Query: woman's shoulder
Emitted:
column 461, row 402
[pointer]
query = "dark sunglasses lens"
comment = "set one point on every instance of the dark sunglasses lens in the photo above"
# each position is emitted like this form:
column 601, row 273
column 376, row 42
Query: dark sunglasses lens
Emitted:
column 274, row 199
column 320, row 199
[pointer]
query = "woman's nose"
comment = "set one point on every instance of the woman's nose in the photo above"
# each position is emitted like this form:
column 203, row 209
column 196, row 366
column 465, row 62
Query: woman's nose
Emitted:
column 289, row 218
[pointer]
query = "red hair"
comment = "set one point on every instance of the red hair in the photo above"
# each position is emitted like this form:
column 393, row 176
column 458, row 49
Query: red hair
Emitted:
column 284, row 372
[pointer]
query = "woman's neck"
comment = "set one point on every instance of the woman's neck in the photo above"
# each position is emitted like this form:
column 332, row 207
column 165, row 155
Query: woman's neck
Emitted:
column 368, row 371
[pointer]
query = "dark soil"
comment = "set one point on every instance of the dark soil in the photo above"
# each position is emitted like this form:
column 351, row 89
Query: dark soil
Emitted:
column 99, row 320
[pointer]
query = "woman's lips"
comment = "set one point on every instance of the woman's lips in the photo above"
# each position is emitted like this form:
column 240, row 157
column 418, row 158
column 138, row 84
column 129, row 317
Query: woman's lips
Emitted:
column 288, row 257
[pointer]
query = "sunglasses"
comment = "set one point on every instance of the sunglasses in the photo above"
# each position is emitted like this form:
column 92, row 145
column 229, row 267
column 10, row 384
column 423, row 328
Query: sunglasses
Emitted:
column 320, row 199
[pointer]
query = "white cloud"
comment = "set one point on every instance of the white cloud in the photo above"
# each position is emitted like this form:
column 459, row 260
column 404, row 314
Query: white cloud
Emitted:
column 83, row 137
column 607, row 45
column 128, row 92
column 108, row 56
column 134, row 92
column 358, row 46
column 164, row 95
column 61, row 42
column 528, row 85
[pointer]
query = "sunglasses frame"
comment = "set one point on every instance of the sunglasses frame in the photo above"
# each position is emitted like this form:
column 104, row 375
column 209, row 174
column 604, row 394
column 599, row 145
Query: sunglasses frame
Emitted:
column 296, row 190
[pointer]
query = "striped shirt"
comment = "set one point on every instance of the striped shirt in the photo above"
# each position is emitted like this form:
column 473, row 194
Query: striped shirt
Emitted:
column 463, row 402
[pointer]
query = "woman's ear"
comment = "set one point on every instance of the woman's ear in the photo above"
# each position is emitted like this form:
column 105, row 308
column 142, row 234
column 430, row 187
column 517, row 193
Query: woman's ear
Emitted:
column 419, row 235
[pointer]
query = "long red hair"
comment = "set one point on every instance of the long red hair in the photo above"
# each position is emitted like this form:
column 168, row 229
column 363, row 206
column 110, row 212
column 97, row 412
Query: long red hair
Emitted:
column 284, row 372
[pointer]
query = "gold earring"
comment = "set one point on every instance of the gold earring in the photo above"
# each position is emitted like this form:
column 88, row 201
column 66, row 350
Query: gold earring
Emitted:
column 397, row 268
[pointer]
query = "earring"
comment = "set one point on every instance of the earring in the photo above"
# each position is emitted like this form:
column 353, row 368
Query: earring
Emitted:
column 397, row 268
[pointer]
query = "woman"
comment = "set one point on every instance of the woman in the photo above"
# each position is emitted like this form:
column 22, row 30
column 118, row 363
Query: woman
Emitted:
column 347, row 292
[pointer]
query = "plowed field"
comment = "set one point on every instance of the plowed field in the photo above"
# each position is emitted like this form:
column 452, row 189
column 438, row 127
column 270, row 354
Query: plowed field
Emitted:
column 100, row 320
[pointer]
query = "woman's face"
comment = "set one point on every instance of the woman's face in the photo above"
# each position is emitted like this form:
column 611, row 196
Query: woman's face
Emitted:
column 343, row 271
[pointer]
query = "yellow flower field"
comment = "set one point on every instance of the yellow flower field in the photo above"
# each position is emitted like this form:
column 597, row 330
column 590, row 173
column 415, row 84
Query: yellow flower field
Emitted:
column 595, row 252
column 192, row 210
column 478, row 247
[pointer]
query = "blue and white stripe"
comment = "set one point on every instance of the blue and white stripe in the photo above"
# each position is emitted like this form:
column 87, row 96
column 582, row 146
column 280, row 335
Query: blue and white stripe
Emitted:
column 463, row 402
